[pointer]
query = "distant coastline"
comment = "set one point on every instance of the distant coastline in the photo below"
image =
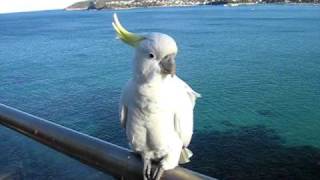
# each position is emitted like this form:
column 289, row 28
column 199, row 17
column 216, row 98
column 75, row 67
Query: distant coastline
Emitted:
column 127, row 4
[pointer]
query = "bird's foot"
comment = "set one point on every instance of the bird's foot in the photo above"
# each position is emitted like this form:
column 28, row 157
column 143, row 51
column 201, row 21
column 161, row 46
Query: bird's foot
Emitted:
column 158, row 173
column 151, row 174
column 147, row 169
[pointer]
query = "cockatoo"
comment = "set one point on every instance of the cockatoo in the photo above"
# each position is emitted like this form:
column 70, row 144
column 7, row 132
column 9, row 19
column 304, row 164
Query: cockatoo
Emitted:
column 156, row 106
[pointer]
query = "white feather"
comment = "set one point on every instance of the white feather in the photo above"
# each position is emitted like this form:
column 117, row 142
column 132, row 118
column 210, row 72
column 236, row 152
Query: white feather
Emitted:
column 157, row 111
column 159, row 118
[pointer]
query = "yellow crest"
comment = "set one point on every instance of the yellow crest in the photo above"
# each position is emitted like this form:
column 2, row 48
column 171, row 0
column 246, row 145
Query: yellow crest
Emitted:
column 126, row 36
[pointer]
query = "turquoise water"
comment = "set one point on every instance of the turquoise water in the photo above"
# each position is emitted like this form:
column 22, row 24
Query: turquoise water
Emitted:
column 257, row 68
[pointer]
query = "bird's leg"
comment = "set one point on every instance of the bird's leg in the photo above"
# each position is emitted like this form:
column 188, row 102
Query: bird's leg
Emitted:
column 147, row 169
column 158, row 172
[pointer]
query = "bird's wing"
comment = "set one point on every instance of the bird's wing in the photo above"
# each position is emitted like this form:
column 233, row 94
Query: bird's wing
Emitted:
column 123, row 114
column 184, row 111
column 183, row 119
column 123, row 105
column 191, row 93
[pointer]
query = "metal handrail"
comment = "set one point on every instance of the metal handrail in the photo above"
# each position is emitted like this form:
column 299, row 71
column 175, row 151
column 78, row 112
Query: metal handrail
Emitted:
column 109, row 158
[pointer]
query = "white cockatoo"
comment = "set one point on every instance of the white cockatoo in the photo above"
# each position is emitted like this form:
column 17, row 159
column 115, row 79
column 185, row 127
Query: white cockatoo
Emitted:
column 156, row 106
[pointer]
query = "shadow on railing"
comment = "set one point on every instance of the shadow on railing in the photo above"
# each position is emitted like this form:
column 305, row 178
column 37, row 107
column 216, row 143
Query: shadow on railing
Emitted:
column 109, row 158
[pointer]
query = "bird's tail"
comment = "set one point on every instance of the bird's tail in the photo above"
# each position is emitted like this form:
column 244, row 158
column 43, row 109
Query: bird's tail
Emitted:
column 185, row 156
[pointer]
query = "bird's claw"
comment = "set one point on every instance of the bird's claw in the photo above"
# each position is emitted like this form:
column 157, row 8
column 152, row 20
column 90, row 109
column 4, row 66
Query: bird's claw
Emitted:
column 158, row 173
column 147, row 170
column 148, row 174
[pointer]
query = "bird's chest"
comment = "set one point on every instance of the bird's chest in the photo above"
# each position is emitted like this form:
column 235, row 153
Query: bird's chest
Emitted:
column 154, row 100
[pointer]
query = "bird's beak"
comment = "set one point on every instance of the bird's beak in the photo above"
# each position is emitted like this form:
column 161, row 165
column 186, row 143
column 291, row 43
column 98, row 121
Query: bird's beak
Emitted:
column 168, row 65
column 126, row 36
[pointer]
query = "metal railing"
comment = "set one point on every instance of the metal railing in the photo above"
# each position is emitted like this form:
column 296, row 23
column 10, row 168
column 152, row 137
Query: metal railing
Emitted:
column 109, row 158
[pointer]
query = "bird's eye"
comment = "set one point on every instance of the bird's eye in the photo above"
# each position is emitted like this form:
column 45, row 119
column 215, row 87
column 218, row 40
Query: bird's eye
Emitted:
column 151, row 56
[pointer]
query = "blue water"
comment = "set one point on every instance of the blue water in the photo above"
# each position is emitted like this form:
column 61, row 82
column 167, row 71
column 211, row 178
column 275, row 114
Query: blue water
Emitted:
column 257, row 68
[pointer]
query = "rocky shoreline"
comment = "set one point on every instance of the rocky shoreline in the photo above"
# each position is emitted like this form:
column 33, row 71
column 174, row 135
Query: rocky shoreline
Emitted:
column 121, row 4
column 126, row 4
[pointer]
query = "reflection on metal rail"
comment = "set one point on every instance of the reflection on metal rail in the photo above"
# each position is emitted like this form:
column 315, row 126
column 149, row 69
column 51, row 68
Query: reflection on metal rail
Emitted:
column 112, row 159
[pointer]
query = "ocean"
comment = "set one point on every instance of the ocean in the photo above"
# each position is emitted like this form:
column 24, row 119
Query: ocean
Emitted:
column 257, row 68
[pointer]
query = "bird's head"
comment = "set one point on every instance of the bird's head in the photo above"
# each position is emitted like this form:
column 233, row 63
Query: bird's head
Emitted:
column 154, row 53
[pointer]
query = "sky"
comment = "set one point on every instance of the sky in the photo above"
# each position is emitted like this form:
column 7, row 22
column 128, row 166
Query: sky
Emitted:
column 7, row 6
